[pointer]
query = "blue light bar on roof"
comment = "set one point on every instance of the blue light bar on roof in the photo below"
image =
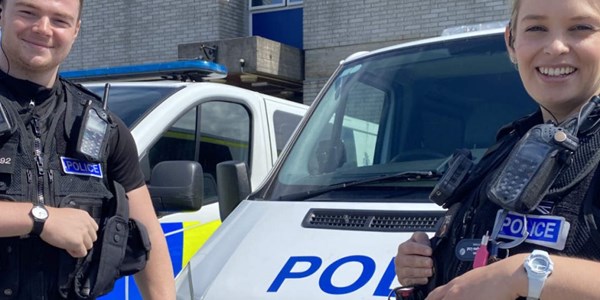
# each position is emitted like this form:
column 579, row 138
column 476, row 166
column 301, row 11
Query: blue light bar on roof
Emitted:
column 196, row 70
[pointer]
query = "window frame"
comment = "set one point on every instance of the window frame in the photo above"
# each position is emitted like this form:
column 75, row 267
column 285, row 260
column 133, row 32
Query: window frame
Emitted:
column 284, row 4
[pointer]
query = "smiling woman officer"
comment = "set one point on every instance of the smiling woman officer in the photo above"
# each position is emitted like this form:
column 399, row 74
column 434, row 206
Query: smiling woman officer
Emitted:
column 531, row 206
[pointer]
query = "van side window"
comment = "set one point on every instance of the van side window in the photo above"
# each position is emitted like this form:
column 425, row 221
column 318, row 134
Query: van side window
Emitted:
column 285, row 124
column 223, row 134
column 177, row 143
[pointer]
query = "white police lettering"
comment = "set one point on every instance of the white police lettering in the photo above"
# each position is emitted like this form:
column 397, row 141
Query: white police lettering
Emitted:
column 549, row 231
column 80, row 167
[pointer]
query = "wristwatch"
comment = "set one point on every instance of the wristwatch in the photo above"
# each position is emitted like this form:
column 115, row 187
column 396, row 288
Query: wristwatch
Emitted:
column 39, row 214
column 538, row 266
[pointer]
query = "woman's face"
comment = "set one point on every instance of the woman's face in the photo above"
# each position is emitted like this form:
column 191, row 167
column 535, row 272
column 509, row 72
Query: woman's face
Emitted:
column 557, row 49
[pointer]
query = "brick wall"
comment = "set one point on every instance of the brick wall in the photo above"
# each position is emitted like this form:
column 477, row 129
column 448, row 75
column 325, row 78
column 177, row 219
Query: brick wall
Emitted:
column 334, row 29
column 120, row 32
column 123, row 32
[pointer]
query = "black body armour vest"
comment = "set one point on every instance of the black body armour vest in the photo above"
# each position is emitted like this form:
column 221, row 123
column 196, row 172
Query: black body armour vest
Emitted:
column 30, row 171
column 573, row 195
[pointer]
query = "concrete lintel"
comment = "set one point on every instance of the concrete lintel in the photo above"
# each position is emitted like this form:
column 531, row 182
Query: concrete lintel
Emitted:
column 261, row 56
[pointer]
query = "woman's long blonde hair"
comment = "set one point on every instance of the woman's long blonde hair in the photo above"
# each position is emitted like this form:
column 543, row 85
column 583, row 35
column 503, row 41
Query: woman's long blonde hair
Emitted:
column 514, row 14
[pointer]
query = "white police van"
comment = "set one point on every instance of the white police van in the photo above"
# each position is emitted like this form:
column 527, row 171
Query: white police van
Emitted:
column 178, row 125
column 354, row 180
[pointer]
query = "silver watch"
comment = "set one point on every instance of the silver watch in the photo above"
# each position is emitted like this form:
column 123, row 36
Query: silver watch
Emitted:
column 538, row 266
column 39, row 214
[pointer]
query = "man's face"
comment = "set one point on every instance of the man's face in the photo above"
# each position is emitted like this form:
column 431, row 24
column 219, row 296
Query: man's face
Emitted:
column 37, row 35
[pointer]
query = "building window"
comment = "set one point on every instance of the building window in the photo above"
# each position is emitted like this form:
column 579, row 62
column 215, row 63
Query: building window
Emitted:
column 262, row 4
column 278, row 20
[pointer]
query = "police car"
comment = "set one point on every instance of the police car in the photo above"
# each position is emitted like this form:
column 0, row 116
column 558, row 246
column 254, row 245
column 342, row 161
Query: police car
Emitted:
column 355, row 178
column 191, row 122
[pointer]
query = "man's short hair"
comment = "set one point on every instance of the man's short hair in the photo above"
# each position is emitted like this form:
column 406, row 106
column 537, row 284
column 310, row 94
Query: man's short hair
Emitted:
column 80, row 6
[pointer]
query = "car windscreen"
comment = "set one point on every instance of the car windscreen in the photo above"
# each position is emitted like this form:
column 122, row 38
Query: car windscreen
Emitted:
column 131, row 103
column 405, row 110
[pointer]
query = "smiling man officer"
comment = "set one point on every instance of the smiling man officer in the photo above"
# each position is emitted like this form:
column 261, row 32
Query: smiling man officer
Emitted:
column 52, row 213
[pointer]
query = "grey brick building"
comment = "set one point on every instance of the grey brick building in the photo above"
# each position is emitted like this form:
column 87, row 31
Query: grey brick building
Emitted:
column 124, row 32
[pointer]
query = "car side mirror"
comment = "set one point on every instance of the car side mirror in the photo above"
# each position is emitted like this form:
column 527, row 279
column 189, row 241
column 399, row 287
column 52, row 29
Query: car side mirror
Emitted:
column 176, row 186
column 233, row 184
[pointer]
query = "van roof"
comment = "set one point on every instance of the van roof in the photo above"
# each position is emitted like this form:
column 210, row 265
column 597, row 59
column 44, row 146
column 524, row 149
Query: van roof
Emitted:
column 442, row 38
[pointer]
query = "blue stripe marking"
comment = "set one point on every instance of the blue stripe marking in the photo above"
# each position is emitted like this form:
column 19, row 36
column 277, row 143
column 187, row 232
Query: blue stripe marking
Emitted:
column 175, row 243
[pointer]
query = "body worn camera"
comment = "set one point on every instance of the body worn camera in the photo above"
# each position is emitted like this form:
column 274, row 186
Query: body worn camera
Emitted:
column 458, row 170
column 93, row 133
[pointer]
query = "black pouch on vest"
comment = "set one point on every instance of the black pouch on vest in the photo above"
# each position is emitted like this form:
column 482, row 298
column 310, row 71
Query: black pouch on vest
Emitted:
column 138, row 248
column 121, row 249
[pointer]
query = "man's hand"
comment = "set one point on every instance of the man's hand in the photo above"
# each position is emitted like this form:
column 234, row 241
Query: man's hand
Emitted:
column 71, row 229
column 413, row 262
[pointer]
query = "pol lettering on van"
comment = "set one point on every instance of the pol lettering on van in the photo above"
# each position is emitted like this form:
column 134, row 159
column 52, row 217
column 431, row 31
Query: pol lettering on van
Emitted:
column 309, row 265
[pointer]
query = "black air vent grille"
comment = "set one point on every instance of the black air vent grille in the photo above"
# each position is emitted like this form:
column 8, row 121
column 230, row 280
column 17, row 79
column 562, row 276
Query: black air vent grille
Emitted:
column 372, row 220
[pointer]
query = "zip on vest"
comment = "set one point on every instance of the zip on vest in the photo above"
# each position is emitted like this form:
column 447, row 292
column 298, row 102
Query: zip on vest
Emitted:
column 37, row 152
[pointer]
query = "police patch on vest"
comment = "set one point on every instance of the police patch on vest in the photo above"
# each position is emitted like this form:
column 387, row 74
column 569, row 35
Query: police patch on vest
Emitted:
column 79, row 167
column 548, row 231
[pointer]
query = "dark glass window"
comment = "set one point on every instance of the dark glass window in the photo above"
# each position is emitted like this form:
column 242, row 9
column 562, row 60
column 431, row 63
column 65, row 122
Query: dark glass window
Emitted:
column 130, row 103
column 285, row 124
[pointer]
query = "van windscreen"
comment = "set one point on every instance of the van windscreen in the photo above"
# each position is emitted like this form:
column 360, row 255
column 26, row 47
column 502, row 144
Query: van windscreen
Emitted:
column 405, row 109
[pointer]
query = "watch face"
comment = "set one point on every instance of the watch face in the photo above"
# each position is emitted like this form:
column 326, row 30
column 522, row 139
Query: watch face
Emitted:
column 539, row 264
column 39, row 213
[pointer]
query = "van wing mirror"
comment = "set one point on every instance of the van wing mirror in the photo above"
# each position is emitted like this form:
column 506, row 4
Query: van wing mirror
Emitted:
column 233, row 185
column 176, row 186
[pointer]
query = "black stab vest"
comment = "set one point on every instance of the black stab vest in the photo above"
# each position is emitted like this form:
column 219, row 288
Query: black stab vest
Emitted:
column 574, row 196
column 29, row 267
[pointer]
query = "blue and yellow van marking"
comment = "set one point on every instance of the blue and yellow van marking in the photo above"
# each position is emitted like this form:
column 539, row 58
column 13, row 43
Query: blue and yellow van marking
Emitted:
column 183, row 239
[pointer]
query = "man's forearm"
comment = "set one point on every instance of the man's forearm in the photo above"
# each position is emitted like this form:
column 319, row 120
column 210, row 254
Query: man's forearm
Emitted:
column 14, row 218
column 156, row 281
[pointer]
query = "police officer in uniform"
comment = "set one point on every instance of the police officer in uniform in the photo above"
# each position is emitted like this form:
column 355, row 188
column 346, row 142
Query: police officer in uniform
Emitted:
column 546, row 243
column 53, row 197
